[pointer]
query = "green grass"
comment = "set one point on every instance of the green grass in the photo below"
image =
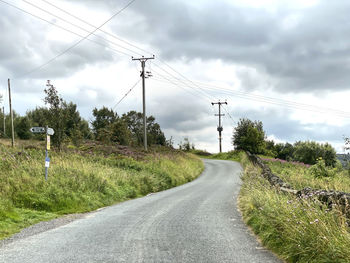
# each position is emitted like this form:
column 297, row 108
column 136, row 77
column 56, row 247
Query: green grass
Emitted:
column 297, row 230
column 300, row 176
column 81, row 181
column 231, row 155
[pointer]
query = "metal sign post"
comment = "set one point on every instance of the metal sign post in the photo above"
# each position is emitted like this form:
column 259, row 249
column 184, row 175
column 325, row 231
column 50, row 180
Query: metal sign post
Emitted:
column 48, row 131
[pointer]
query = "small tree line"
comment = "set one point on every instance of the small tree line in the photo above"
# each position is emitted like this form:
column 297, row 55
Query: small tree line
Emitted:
column 107, row 126
column 250, row 136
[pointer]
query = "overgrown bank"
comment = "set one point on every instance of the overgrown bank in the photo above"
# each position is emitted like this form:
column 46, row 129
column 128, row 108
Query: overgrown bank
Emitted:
column 298, row 230
column 82, row 180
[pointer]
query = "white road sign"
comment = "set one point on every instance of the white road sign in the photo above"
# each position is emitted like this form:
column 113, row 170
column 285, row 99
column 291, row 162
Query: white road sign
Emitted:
column 38, row 129
column 50, row 131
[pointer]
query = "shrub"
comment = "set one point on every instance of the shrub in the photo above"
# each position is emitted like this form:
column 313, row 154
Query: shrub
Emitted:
column 320, row 170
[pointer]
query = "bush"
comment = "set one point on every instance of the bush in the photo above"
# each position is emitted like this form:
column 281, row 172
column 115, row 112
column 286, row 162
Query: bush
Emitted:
column 320, row 170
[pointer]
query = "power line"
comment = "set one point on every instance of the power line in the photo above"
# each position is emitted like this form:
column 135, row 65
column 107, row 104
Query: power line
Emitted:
column 126, row 94
column 229, row 115
column 103, row 31
column 65, row 29
column 75, row 44
column 79, row 27
column 120, row 39
column 167, row 72
column 165, row 79
column 275, row 101
column 95, row 41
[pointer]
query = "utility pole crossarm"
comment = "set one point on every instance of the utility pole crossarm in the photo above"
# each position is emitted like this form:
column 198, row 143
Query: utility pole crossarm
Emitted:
column 143, row 64
column 143, row 58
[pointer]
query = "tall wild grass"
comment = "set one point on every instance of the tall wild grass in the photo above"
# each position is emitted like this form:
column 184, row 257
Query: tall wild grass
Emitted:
column 80, row 183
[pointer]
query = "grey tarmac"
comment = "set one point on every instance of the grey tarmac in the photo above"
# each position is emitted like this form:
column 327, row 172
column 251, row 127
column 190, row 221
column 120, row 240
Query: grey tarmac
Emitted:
column 195, row 222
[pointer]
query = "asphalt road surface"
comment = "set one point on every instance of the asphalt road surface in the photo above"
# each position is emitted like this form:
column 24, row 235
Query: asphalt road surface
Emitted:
column 196, row 222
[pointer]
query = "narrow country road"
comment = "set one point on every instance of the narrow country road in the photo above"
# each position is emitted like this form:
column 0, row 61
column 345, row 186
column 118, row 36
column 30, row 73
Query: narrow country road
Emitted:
column 196, row 222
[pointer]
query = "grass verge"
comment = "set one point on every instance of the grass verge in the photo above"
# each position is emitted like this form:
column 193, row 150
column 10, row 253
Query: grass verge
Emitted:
column 81, row 181
column 297, row 230
column 300, row 176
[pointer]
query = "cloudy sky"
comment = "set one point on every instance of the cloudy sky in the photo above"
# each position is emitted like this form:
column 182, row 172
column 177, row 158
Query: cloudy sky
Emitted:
column 286, row 63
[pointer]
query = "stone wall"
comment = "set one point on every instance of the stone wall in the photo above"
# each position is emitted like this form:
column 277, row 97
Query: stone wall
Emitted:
column 331, row 198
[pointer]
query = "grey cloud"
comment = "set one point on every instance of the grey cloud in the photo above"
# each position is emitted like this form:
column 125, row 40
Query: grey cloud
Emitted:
column 279, row 124
column 184, row 115
column 25, row 47
column 312, row 55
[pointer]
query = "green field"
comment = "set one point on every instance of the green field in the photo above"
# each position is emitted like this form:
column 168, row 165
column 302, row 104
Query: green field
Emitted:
column 82, row 179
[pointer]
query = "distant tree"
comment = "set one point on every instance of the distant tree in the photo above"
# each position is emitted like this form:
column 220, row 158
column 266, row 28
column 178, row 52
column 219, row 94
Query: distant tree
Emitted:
column 22, row 128
column 39, row 116
column 62, row 116
column 154, row 133
column 347, row 143
column 309, row 152
column 284, row 151
column 104, row 117
column 120, row 133
column 329, row 155
column 55, row 114
column 170, row 143
column 75, row 128
column 110, row 128
column 186, row 145
column 16, row 120
column 249, row 136
column 134, row 122
column 270, row 148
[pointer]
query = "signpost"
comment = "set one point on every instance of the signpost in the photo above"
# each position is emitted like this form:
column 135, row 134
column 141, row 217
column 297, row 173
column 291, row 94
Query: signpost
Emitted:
column 37, row 129
column 49, row 132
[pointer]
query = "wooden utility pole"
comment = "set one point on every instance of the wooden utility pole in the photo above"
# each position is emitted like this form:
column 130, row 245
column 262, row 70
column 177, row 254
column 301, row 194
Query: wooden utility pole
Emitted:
column 220, row 129
column 11, row 112
column 3, row 112
column 143, row 63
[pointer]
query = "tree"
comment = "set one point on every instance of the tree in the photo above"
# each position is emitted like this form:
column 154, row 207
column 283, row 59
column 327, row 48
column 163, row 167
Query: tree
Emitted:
column 284, row 151
column 103, row 118
column 186, row 145
column 309, row 152
column 55, row 114
column 22, row 128
column 270, row 148
column 347, row 143
column 75, row 127
column 109, row 127
column 63, row 117
column 134, row 122
column 249, row 136
column 120, row 133
column 154, row 133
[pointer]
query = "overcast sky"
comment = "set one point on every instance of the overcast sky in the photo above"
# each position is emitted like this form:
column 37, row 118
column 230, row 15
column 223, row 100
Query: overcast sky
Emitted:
column 285, row 63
